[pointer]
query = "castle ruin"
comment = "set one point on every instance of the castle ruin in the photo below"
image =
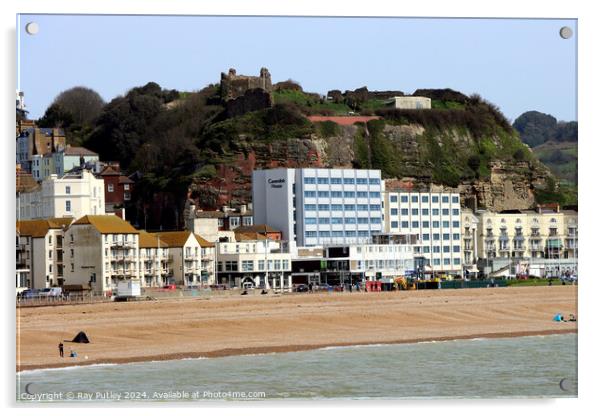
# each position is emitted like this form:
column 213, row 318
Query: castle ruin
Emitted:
column 233, row 86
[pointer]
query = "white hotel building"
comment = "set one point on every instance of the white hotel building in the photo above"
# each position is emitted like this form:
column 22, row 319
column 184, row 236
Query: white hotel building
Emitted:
column 435, row 218
column 319, row 206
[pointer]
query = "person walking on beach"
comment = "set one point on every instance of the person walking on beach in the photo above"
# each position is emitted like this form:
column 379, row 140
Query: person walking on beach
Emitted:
column 61, row 352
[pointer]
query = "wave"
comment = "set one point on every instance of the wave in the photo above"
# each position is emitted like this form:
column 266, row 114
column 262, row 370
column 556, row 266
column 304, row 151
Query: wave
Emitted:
column 67, row 368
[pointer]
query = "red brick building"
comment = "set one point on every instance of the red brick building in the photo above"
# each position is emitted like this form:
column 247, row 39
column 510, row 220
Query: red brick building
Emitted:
column 118, row 187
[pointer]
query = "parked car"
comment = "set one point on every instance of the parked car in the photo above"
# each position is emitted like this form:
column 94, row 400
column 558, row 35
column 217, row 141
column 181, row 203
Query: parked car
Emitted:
column 51, row 292
column 302, row 288
column 29, row 294
column 169, row 287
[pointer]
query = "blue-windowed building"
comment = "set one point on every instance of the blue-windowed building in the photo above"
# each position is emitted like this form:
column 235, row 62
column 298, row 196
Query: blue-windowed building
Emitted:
column 319, row 206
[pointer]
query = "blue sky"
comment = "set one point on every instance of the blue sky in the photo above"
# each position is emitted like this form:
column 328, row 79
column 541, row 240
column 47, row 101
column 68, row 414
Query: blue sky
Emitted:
column 519, row 65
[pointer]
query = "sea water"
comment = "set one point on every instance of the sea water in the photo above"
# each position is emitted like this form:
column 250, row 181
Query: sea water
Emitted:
column 534, row 366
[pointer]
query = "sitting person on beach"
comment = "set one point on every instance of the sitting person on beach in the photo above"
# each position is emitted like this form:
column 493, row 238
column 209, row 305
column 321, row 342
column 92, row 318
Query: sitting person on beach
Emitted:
column 572, row 318
column 73, row 354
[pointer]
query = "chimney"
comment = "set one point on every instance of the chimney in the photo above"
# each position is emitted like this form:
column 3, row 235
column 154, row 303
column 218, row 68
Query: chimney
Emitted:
column 243, row 209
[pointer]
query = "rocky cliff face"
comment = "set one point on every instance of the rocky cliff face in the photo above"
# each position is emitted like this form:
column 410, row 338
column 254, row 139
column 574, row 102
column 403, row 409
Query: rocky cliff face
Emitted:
column 510, row 184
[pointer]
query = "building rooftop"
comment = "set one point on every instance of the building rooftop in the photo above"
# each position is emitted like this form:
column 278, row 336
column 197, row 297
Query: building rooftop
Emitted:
column 209, row 214
column 248, row 236
column 259, row 228
column 107, row 224
column 39, row 228
column 149, row 240
column 179, row 238
column 78, row 151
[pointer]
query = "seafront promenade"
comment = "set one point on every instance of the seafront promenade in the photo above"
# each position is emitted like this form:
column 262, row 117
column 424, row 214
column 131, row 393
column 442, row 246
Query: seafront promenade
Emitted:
column 180, row 328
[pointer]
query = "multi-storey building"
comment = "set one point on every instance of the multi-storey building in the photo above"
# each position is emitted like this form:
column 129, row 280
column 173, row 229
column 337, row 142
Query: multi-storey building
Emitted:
column 319, row 206
column 435, row 217
column 154, row 262
column 37, row 141
column 118, row 187
column 101, row 251
column 545, row 235
column 39, row 252
column 61, row 161
column 253, row 259
column 72, row 195
column 470, row 229
column 192, row 258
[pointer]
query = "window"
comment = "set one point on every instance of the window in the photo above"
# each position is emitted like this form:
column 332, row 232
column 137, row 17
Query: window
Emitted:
column 362, row 207
column 247, row 265
column 445, row 211
column 324, row 233
column 445, row 224
column 323, row 181
column 425, row 237
column 336, row 207
column 323, row 194
column 425, row 211
column 415, row 224
column 363, row 220
column 336, row 181
column 338, row 234
column 435, row 224
column 49, row 239
column 426, row 249
column 374, row 220
column 435, row 211
column 349, row 207
column 445, row 199
column 231, row 266
column 404, row 224
column 126, row 186
column 455, row 200
column 68, row 206
column 435, row 199
column 336, row 194
column 394, row 211
column 127, row 196
column 425, row 199
column 446, row 236
column 323, row 207
column 404, row 198
column 374, row 194
column 374, row 207
column 446, row 261
column 393, row 198
column 414, row 198
column 349, row 194
column 72, row 254
column 234, row 221
column 310, row 194
column 324, row 220
column 436, row 249
column 72, row 267
column 350, row 233
column 446, row 249
column 456, row 261
column 247, row 220
column 374, row 181
column 456, row 224
column 362, row 194
column 456, row 236
column 456, row 249
column 414, row 211
column 310, row 221
column 67, row 190
column 436, row 236
column 349, row 181
column 425, row 224
column 350, row 221
column 361, row 181
column 110, row 187
column 308, row 181
column 50, row 254
column 404, row 211
column 363, row 234
column 436, row 262
column 394, row 224
column 310, row 234
column 337, row 220
column 309, row 207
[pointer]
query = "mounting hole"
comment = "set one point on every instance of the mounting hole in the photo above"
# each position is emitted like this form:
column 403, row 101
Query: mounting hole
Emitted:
column 566, row 32
column 32, row 28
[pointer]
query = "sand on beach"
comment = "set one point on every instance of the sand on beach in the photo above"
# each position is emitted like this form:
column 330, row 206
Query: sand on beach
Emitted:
column 212, row 327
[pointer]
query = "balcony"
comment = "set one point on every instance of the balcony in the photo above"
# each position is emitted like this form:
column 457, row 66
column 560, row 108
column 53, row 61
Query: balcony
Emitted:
column 129, row 244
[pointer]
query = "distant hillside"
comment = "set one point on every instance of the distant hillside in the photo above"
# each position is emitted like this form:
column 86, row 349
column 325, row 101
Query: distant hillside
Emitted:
column 554, row 143
column 198, row 146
